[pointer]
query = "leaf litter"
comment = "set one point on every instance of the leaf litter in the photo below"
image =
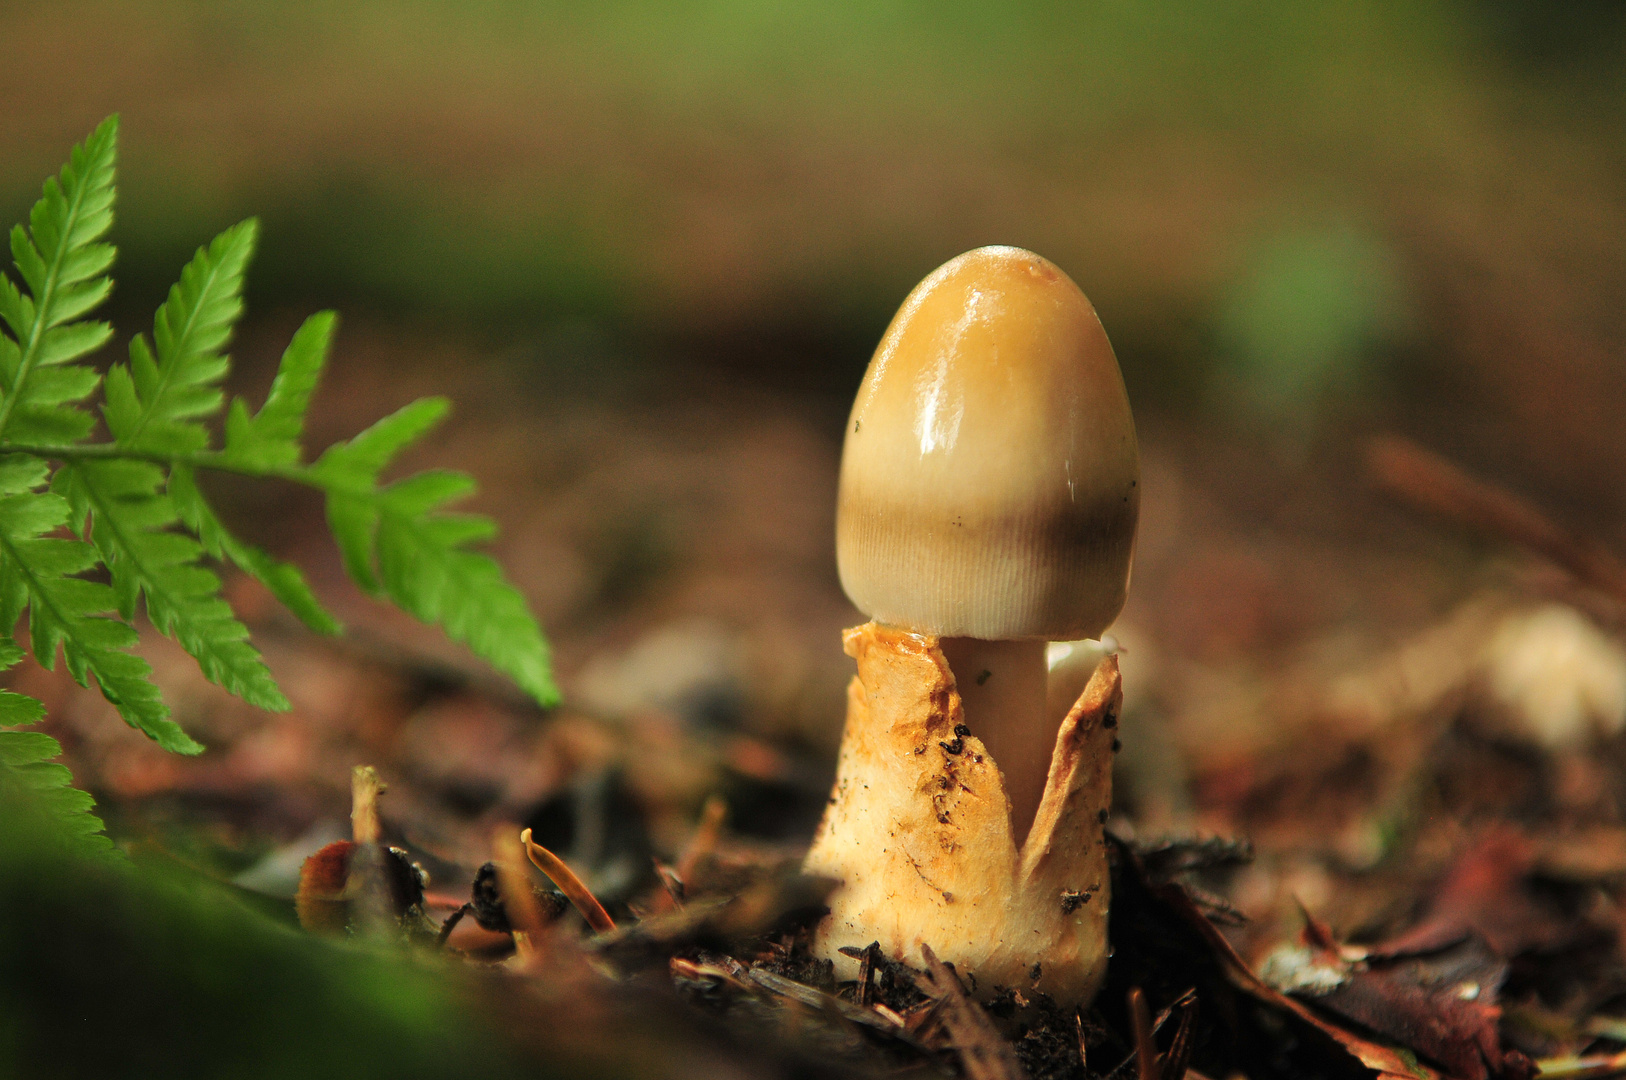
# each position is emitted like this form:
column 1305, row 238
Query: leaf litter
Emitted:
column 1403, row 874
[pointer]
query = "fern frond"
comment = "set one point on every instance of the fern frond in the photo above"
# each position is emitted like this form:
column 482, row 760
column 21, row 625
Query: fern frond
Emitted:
column 36, row 575
column 396, row 542
column 137, row 497
column 132, row 524
column 284, row 580
column 154, row 402
column 64, row 267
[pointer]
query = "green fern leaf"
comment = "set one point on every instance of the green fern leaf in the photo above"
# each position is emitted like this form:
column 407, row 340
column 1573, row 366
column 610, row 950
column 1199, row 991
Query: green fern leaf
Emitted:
column 131, row 524
column 64, row 267
column 268, row 440
column 154, row 402
column 36, row 574
column 271, row 437
column 284, row 580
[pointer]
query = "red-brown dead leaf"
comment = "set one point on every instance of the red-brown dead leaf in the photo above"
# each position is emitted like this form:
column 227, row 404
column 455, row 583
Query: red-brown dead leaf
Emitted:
column 1442, row 1005
column 1484, row 893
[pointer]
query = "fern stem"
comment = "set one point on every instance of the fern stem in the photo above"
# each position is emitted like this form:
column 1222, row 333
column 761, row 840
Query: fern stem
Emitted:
column 204, row 459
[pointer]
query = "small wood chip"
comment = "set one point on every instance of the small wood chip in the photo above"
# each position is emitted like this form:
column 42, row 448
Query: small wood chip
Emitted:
column 890, row 1015
column 689, row 969
column 866, row 957
column 865, row 967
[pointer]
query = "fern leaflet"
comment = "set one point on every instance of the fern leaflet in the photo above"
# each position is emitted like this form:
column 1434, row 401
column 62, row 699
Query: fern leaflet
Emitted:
column 36, row 575
column 426, row 569
column 64, row 266
column 25, row 761
column 154, row 403
column 420, row 553
column 270, row 438
column 131, row 524
column 62, row 262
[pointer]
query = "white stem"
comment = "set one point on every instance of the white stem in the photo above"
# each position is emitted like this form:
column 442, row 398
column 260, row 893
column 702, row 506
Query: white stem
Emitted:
column 1002, row 690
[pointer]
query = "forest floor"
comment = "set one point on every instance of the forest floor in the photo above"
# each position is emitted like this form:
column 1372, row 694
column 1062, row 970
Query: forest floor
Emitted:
column 1371, row 755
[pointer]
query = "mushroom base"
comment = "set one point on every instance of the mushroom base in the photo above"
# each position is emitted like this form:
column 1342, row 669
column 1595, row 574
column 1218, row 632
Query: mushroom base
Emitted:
column 918, row 831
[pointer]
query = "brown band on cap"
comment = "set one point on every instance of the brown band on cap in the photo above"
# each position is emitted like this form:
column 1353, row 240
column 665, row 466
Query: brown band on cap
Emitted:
column 1038, row 575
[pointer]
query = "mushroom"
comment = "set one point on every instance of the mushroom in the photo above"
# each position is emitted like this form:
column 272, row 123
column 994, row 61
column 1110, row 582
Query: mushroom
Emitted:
column 988, row 500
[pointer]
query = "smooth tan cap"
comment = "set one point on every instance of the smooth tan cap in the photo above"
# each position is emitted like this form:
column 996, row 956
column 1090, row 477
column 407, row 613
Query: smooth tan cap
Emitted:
column 990, row 477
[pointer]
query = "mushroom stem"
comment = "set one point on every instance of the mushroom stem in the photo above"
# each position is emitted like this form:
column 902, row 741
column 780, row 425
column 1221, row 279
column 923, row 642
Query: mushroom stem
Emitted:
column 918, row 829
column 1002, row 692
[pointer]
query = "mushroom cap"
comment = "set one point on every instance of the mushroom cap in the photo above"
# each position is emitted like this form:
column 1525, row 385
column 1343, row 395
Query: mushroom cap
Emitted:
column 990, row 476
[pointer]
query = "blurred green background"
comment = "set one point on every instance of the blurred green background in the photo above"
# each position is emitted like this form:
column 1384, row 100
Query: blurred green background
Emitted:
column 1288, row 214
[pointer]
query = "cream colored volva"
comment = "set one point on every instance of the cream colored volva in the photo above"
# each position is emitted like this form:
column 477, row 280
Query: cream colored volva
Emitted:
column 988, row 500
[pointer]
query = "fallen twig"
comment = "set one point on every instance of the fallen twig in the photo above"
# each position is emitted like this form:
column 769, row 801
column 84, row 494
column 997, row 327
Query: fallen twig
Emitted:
column 450, row 924
column 817, row 999
column 731, row 972
column 984, row 1053
column 1430, row 482
column 1582, row 1068
column 704, row 840
column 677, row 882
column 1145, row 1049
column 1173, row 1064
